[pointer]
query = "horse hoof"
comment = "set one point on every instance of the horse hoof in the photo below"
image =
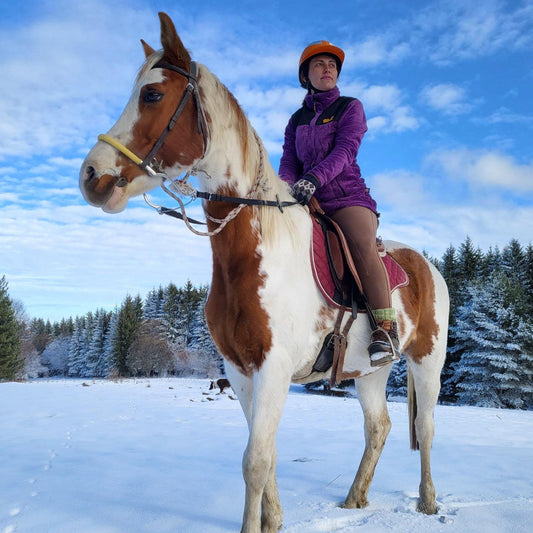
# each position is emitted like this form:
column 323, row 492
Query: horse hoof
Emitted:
column 354, row 504
column 427, row 508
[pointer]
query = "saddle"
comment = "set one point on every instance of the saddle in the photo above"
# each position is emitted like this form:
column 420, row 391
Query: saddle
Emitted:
column 341, row 282
column 337, row 278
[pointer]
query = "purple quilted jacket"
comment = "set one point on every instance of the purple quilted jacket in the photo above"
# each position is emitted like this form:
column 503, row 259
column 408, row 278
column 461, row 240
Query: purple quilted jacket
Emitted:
column 322, row 139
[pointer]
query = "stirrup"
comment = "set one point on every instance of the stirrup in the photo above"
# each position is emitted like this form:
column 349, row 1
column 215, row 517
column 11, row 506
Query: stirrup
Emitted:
column 386, row 358
column 383, row 351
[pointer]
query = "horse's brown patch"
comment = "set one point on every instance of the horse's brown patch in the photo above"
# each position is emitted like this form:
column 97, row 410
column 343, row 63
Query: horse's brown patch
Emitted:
column 419, row 302
column 155, row 117
column 236, row 320
column 325, row 316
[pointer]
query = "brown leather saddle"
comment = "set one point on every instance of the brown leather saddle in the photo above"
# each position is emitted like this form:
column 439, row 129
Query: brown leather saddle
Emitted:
column 348, row 290
column 345, row 291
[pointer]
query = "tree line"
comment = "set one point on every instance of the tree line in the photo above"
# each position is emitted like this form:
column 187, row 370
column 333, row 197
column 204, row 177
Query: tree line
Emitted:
column 164, row 334
column 490, row 342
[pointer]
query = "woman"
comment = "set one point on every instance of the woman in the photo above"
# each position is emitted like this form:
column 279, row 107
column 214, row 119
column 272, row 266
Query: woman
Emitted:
column 320, row 158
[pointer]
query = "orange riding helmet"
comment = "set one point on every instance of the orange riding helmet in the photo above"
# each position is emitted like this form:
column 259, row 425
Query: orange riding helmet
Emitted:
column 314, row 49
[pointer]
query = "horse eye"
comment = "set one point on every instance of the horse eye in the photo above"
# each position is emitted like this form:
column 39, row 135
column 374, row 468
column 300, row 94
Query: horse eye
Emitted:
column 150, row 96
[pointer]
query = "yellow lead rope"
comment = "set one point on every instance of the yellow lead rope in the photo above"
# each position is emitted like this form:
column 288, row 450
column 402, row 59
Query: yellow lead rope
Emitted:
column 120, row 147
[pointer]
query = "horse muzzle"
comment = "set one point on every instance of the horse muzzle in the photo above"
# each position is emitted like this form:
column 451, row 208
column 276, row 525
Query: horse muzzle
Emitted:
column 102, row 189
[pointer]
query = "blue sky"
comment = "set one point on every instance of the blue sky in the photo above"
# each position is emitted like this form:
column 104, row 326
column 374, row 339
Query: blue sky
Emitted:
column 446, row 86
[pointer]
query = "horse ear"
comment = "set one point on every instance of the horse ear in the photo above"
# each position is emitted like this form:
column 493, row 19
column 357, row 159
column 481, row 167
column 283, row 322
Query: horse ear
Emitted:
column 148, row 50
column 173, row 48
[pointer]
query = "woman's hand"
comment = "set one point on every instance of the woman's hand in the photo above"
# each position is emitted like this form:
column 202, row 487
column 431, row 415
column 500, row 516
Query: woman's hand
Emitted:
column 304, row 189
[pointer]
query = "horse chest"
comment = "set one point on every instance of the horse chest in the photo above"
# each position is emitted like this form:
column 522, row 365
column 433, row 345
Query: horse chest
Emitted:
column 236, row 319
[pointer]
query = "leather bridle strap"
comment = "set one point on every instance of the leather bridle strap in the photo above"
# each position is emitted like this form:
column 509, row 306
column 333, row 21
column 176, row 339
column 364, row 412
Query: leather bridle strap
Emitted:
column 190, row 89
column 213, row 197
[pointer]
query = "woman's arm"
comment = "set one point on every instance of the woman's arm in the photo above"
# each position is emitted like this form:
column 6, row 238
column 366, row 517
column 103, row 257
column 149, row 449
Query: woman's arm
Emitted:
column 290, row 166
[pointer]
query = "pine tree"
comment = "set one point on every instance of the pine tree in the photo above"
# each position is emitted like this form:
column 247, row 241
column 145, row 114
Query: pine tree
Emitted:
column 172, row 319
column 153, row 305
column 524, row 337
column 96, row 343
column 129, row 319
column 190, row 302
column 491, row 263
column 40, row 333
column 209, row 362
column 488, row 371
column 55, row 356
column 449, row 268
column 528, row 277
column 470, row 262
column 10, row 359
column 397, row 383
column 78, row 347
column 106, row 366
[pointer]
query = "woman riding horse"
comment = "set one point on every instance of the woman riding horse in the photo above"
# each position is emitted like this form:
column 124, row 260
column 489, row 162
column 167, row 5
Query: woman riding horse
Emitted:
column 320, row 158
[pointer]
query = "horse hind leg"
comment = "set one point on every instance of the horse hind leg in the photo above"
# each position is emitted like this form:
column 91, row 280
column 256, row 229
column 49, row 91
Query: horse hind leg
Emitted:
column 423, row 395
column 371, row 394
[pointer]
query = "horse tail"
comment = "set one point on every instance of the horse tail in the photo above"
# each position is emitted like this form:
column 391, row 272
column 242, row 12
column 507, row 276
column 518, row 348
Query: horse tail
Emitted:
column 411, row 407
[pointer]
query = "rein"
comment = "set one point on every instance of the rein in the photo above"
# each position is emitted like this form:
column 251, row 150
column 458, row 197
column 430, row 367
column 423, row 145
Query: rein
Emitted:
column 181, row 187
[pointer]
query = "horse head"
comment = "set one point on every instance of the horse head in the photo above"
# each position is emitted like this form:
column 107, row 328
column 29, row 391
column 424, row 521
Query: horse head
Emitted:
column 162, row 129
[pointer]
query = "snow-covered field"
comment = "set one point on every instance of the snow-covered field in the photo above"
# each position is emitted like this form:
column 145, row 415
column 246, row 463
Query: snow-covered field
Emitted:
column 164, row 456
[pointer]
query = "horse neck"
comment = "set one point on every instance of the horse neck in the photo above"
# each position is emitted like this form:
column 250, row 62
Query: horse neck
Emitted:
column 232, row 160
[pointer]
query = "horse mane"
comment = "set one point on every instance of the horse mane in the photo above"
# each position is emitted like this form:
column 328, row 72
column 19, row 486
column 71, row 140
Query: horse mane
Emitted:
column 224, row 111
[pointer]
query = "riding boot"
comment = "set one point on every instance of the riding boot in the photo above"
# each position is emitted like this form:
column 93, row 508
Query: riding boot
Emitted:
column 384, row 344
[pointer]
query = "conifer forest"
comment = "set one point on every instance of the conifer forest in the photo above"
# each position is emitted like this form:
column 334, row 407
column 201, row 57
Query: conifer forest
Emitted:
column 490, row 342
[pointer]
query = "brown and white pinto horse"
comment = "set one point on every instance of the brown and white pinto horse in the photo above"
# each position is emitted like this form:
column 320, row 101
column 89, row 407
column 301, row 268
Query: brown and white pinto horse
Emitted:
column 264, row 310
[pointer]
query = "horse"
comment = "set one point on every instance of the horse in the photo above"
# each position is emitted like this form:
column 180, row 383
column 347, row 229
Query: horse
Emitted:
column 264, row 311
column 221, row 383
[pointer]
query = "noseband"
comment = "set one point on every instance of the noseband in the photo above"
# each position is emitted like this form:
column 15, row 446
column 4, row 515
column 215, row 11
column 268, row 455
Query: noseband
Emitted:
column 149, row 162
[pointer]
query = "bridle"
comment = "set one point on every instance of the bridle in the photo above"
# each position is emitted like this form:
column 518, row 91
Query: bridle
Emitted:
column 151, row 166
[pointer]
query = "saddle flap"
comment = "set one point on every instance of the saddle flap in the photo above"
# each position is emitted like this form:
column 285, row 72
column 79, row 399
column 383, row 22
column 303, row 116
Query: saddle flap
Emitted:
column 346, row 255
column 341, row 266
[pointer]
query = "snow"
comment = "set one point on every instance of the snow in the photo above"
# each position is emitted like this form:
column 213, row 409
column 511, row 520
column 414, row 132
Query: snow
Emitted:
column 165, row 456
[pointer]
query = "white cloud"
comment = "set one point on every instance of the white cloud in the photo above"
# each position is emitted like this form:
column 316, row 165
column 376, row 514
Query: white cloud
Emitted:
column 485, row 169
column 445, row 32
column 8, row 197
column 384, row 108
column 433, row 228
column 506, row 116
column 471, row 31
column 98, row 257
column 415, row 211
column 445, row 97
column 374, row 50
column 402, row 189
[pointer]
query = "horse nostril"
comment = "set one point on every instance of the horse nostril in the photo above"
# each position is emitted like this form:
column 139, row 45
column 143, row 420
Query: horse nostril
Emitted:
column 122, row 182
column 90, row 173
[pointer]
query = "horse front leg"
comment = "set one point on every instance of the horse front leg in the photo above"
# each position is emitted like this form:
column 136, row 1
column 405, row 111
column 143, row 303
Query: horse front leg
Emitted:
column 271, row 510
column 371, row 394
column 262, row 508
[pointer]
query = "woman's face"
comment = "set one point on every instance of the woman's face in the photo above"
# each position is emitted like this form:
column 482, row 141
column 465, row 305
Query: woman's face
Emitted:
column 323, row 72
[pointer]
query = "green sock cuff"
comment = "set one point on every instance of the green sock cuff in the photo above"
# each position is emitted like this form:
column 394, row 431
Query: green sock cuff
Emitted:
column 384, row 314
